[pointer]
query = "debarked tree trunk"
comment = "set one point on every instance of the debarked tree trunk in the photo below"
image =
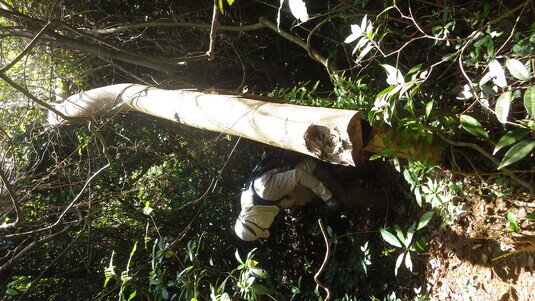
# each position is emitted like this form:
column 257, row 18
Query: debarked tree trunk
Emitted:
column 332, row 135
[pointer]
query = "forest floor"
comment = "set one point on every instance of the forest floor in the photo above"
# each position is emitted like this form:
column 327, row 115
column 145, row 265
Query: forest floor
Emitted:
column 474, row 256
column 478, row 258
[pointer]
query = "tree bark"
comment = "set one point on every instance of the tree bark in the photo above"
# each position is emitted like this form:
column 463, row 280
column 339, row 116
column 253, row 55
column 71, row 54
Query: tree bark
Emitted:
column 332, row 135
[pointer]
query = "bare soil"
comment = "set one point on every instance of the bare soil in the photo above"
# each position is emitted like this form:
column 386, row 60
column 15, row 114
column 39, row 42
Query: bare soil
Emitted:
column 477, row 257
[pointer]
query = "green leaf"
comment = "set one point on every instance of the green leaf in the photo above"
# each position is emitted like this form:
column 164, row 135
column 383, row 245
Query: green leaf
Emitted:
column 512, row 224
column 529, row 100
column 496, row 71
column 398, row 263
column 220, row 5
column 134, row 293
column 230, row 2
column 517, row 69
column 424, row 219
column 418, row 196
column 517, row 152
column 420, row 244
column 530, row 217
column 408, row 261
column 399, row 234
column 472, row 126
column 389, row 238
column 410, row 233
column 365, row 51
column 298, row 10
column 510, row 138
column 502, row 106
column 258, row 272
column 393, row 75
column 238, row 258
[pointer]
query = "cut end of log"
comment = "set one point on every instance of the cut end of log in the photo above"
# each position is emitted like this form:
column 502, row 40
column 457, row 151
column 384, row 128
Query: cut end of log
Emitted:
column 329, row 144
column 337, row 146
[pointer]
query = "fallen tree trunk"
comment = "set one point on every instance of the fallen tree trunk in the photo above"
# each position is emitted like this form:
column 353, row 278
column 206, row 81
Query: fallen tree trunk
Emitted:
column 332, row 135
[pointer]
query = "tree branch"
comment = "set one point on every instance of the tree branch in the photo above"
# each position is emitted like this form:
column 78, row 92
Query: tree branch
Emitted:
column 14, row 198
column 124, row 28
column 329, row 65
column 6, row 266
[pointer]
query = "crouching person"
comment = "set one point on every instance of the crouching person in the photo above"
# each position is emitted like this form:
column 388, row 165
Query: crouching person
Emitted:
column 277, row 183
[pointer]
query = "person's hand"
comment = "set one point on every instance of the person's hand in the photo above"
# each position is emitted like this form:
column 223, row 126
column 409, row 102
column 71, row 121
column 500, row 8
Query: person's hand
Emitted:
column 333, row 205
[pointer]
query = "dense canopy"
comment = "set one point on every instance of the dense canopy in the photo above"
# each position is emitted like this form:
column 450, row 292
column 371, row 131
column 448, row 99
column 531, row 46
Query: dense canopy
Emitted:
column 129, row 206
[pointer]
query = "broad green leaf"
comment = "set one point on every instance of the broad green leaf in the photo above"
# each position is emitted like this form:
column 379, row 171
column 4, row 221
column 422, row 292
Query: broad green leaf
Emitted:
column 502, row 106
column 530, row 217
column 472, row 126
column 299, row 10
column 510, row 138
column 512, row 224
column 410, row 233
column 398, row 263
column 364, row 23
column 12, row 292
column 517, row 69
column 389, row 238
column 258, row 272
column 424, row 219
column 399, row 234
column 365, row 51
column 517, row 152
column 351, row 38
column 393, row 75
column 220, row 5
column 408, row 261
column 356, row 30
column 418, row 196
column 408, row 177
column 496, row 71
column 529, row 100
column 230, row 2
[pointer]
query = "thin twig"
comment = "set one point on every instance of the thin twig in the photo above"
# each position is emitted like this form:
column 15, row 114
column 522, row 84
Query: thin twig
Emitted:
column 37, row 100
column 213, row 32
column 220, row 172
column 27, row 49
column 30, row 247
column 325, row 260
column 296, row 40
column 488, row 156
column 32, row 284
column 14, row 198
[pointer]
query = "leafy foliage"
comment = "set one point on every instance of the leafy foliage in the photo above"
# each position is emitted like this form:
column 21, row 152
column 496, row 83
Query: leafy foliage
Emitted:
column 460, row 79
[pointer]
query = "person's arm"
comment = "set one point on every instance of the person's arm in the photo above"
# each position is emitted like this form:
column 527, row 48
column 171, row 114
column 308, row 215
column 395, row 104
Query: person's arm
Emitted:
column 310, row 181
